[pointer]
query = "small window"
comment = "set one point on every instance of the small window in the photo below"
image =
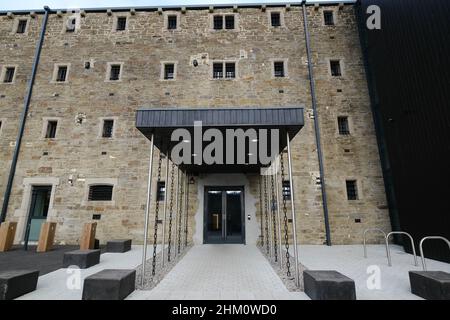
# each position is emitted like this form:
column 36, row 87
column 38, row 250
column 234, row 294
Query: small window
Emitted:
column 229, row 22
column 335, row 67
column 100, row 193
column 1, row 126
column 171, row 22
column 71, row 24
column 275, row 19
column 61, row 75
column 230, row 68
column 328, row 18
column 352, row 191
column 22, row 26
column 161, row 189
column 114, row 74
column 218, row 22
column 343, row 126
column 287, row 190
column 278, row 68
column 9, row 74
column 108, row 126
column 121, row 23
column 169, row 71
column 217, row 70
column 51, row 129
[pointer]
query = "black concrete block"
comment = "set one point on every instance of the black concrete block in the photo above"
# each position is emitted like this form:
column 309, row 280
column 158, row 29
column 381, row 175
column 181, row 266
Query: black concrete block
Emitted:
column 328, row 285
column 118, row 245
column 16, row 283
column 109, row 284
column 430, row 285
column 81, row 258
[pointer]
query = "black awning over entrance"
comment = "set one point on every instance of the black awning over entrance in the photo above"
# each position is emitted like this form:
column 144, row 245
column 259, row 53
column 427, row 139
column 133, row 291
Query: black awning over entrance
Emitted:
column 162, row 123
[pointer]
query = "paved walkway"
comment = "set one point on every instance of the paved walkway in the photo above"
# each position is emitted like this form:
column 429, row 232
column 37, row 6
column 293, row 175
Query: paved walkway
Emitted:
column 221, row 272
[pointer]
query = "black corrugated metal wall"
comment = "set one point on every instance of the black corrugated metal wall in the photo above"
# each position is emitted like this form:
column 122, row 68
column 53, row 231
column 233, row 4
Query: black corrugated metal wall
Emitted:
column 408, row 65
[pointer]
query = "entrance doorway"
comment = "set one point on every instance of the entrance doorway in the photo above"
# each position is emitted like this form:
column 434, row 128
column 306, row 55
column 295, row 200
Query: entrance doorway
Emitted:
column 40, row 201
column 224, row 215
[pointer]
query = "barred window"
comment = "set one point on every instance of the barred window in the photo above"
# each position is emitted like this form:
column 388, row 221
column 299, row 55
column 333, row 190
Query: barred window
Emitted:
column 343, row 126
column 172, row 22
column 100, row 193
column 22, row 26
column 230, row 69
column 218, row 22
column 328, row 18
column 121, row 23
column 51, row 129
column 275, row 19
column 278, row 68
column 352, row 190
column 9, row 74
column 169, row 71
column 61, row 75
column 218, row 70
column 114, row 74
column 223, row 21
column 108, row 126
column 335, row 67
column 229, row 22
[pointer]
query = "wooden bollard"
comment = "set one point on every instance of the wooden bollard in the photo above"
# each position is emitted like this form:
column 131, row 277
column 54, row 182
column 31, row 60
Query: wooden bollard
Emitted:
column 7, row 233
column 87, row 240
column 46, row 237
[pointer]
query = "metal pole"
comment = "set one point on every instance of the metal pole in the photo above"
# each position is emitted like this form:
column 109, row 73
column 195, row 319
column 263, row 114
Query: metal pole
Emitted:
column 147, row 209
column 166, row 186
column 277, row 185
column 177, row 212
column 294, row 228
column 186, row 222
column 261, row 210
column 23, row 117
column 270, row 215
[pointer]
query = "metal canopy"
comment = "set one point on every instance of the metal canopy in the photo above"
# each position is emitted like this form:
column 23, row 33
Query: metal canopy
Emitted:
column 162, row 122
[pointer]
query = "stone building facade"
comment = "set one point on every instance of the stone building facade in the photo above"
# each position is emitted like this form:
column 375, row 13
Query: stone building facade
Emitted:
column 78, row 156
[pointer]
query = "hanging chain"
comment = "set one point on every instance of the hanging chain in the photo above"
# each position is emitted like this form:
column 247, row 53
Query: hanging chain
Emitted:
column 266, row 215
column 274, row 204
column 155, row 235
column 180, row 208
column 286, row 228
column 169, row 241
column 261, row 210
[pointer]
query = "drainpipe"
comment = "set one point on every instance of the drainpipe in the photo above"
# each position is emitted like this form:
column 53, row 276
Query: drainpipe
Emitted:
column 26, row 106
column 316, row 126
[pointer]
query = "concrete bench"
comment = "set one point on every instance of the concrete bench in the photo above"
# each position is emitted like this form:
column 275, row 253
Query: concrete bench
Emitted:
column 328, row 285
column 430, row 285
column 109, row 284
column 81, row 258
column 118, row 245
column 16, row 283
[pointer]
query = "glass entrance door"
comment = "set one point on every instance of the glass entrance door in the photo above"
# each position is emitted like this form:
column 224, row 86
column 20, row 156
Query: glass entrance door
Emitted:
column 224, row 215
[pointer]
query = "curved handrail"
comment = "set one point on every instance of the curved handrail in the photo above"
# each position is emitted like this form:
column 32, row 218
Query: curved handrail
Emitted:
column 421, row 249
column 412, row 243
column 388, row 255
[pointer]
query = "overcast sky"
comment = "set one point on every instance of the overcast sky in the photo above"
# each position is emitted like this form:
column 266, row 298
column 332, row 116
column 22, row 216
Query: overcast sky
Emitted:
column 62, row 4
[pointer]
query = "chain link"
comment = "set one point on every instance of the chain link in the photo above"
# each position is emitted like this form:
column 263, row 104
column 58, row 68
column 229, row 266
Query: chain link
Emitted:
column 180, row 210
column 169, row 241
column 274, row 204
column 286, row 228
column 266, row 207
column 155, row 235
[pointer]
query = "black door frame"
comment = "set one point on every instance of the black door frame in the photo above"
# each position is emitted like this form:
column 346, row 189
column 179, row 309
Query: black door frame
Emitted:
column 205, row 211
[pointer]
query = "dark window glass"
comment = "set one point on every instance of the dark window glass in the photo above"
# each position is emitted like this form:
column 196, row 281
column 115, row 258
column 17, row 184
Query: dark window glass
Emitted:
column 278, row 69
column 230, row 68
column 169, row 71
column 51, row 129
column 352, row 191
column 115, row 72
column 218, row 22
column 275, row 19
column 100, row 193
column 22, row 26
column 161, row 189
column 121, row 23
column 229, row 22
column 286, row 190
column 108, row 126
column 217, row 70
column 335, row 67
column 171, row 22
column 343, row 126
column 71, row 23
column 328, row 18
column 9, row 74
column 62, row 74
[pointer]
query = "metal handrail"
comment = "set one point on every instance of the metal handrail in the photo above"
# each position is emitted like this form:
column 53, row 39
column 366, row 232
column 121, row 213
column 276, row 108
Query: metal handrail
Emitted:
column 421, row 249
column 412, row 243
column 388, row 255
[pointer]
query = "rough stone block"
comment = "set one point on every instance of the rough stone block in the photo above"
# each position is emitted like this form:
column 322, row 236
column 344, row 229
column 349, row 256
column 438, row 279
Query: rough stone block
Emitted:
column 430, row 285
column 16, row 283
column 109, row 284
column 118, row 245
column 328, row 285
column 81, row 258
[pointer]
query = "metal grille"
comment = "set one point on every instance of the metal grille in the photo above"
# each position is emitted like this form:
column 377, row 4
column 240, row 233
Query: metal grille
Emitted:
column 352, row 190
column 121, row 23
column 229, row 22
column 335, row 67
column 218, row 22
column 22, row 26
column 51, row 129
column 343, row 126
column 100, row 193
column 62, row 74
column 115, row 72
column 328, row 18
column 169, row 71
column 278, row 67
column 275, row 19
column 217, row 70
column 171, row 22
column 230, row 69
column 9, row 75
column 108, row 126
